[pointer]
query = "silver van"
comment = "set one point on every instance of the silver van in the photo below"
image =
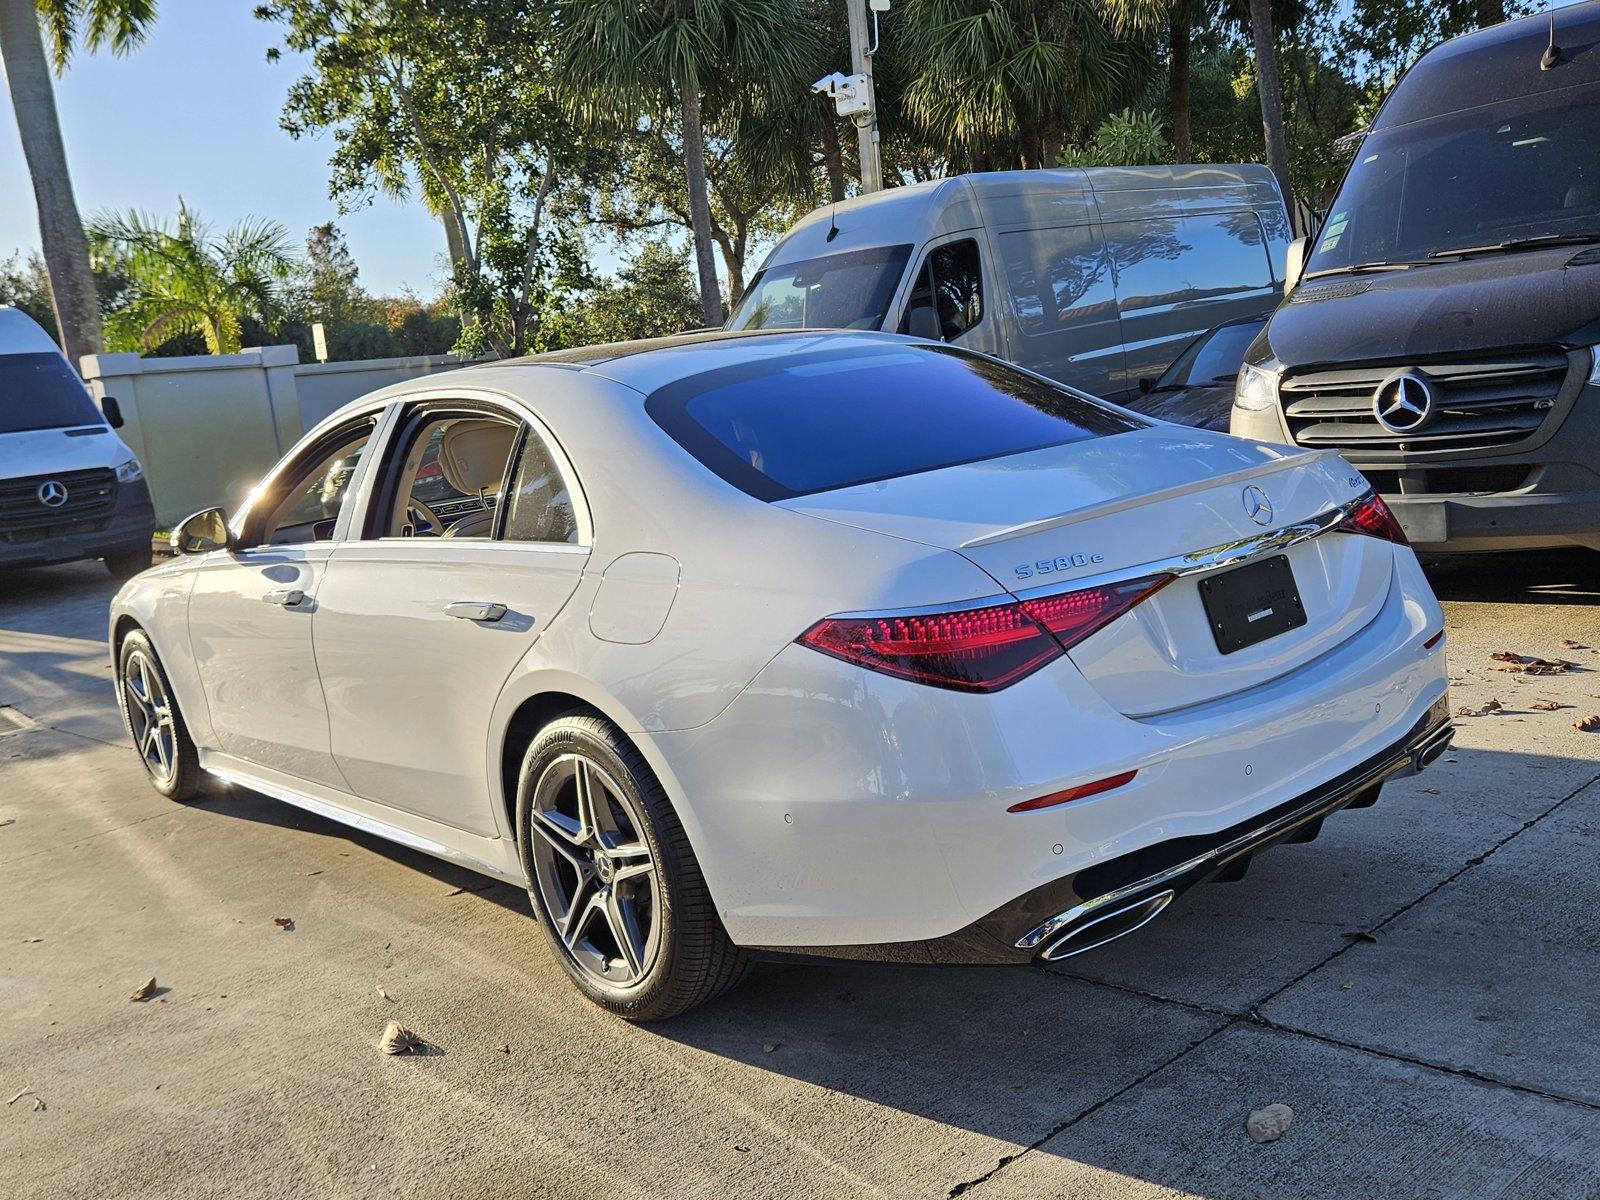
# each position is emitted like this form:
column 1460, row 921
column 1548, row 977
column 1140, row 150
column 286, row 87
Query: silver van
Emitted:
column 1098, row 278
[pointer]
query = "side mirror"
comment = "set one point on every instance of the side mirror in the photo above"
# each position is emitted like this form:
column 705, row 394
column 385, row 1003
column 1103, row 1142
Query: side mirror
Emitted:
column 205, row 531
column 923, row 322
column 112, row 411
column 1145, row 384
column 1294, row 263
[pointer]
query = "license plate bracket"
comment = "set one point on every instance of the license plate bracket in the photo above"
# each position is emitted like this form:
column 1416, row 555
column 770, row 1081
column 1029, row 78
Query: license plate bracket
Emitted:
column 1249, row 604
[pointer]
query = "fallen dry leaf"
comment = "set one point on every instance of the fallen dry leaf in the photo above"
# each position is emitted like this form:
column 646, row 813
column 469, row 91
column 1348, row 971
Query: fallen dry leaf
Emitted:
column 1493, row 705
column 1547, row 705
column 19, row 1096
column 144, row 991
column 397, row 1039
column 505, row 1047
column 4, row 821
column 284, row 923
column 1467, row 712
column 385, row 994
column 1569, row 644
column 31, row 941
column 1587, row 724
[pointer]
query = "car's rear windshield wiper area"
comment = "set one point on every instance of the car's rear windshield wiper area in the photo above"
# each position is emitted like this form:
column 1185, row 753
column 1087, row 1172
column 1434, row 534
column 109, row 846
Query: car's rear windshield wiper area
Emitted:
column 1522, row 243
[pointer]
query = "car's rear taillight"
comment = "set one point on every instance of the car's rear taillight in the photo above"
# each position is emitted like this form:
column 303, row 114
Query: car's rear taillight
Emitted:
column 977, row 649
column 1375, row 519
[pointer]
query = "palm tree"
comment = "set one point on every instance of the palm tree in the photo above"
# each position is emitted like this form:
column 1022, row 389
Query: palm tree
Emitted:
column 1270, row 91
column 671, row 61
column 186, row 280
column 119, row 24
column 1177, row 16
column 1006, row 82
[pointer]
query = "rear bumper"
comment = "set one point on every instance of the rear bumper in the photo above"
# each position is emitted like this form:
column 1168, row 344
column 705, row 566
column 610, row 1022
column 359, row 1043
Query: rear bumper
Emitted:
column 128, row 526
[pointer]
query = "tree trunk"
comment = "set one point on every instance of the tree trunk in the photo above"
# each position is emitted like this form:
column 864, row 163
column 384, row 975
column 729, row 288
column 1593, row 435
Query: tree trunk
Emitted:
column 66, row 249
column 1178, row 31
column 694, row 161
column 833, row 158
column 1490, row 12
column 1271, row 93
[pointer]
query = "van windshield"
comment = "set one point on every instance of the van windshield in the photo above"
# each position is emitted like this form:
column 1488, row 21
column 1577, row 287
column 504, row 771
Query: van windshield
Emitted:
column 1465, row 181
column 40, row 391
column 848, row 290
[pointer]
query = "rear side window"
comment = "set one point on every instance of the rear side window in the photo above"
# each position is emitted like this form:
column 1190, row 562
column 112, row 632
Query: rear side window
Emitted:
column 798, row 424
column 1058, row 277
column 40, row 391
column 950, row 281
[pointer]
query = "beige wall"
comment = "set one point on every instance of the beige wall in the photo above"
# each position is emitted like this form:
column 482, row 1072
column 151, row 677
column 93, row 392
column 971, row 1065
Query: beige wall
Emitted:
column 208, row 427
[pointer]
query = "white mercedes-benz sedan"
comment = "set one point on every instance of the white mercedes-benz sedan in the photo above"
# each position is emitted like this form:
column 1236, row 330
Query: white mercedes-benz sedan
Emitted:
column 819, row 644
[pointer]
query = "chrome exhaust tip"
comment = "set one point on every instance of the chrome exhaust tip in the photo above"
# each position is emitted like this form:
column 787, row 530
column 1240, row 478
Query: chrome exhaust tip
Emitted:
column 1428, row 753
column 1097, row 930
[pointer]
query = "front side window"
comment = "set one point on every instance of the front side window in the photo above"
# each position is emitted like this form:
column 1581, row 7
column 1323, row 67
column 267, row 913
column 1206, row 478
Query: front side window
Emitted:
column 448, row 478
column 306, row 500
column 848, row 290
column 1524, row 169
column 950, row 281
column 783, row 427
column 40, row 391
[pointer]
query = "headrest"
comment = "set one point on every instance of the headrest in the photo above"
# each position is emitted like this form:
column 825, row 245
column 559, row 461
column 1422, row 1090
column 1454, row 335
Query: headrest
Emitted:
column 473, row 454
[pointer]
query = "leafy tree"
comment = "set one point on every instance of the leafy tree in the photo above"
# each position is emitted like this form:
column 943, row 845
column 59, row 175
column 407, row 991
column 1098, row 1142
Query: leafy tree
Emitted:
column 1125, row 138
column 25, row 284
column 118, row 24
column 452, row 99
column 680, row 62
column 183, row 279
column 652, row 295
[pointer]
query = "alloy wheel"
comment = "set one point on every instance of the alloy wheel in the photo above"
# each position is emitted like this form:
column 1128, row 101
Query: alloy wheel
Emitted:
column 149, row 715
column 596, row 876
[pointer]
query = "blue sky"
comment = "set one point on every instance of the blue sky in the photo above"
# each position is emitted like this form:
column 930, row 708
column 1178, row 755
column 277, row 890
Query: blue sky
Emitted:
column 194, row 111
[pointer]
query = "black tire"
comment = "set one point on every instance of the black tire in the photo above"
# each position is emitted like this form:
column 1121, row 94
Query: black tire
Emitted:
column 179, row 778
column 125, row 564
column 692, row 960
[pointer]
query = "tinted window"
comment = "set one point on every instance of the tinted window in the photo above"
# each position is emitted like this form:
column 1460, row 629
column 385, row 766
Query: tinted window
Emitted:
column 314, row 489
column 812, row 422
column 950, row 282
column 1469, row 179
column 1057, row 277
column 40, row 391
column 848, row 290
column 539, row 507
column 1212, row 357
column 1160, row 263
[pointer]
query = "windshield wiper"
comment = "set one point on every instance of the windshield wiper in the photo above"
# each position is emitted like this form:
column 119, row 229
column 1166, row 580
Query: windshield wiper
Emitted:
column 1363, row 268
column 1522, row 243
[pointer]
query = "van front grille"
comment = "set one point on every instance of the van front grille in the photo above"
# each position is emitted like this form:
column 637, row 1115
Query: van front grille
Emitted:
column 24, row 516
column 1479, row 403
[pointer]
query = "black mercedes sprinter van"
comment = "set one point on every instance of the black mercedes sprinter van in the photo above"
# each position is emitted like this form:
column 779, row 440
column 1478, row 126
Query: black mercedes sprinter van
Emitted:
column 1443, row 331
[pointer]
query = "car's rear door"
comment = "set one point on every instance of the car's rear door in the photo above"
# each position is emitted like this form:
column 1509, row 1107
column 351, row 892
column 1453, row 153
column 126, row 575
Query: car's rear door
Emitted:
column 416, row 634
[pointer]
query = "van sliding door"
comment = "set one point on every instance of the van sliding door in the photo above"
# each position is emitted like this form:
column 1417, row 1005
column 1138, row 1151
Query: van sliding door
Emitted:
column 1067, row 326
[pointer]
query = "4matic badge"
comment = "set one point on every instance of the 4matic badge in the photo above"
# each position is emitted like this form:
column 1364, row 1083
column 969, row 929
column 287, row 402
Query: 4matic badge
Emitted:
column 1062, row 562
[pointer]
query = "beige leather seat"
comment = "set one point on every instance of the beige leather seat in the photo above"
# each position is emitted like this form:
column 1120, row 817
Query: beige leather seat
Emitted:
column 472, row 455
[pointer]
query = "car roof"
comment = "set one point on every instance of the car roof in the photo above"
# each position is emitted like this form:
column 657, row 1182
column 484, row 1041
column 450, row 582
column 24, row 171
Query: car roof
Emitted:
column 654, row 362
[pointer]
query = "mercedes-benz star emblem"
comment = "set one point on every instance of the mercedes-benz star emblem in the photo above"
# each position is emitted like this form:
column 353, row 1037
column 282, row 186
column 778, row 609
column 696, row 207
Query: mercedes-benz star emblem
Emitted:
column 1403, row 402
column 52, row 493
column 1256, row 505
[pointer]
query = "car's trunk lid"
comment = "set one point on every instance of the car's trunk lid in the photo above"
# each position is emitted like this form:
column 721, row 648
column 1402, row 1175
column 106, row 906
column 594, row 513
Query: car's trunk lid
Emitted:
column 1060, row 517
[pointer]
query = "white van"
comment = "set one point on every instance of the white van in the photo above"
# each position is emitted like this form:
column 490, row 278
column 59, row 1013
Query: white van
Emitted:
column 69, row 487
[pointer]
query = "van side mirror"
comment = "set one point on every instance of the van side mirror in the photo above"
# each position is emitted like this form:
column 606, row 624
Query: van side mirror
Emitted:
column 923, row 322
column 1145, row 384
column 1294, row 263
column 205, row 531
column 112, row 411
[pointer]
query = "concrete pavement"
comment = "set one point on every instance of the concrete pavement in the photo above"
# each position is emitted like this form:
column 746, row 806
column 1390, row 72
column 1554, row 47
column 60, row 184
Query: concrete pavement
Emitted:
column 1419, row 985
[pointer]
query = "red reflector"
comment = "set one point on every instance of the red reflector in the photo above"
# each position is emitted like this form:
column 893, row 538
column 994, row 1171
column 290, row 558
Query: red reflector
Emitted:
column 1374, row 518
column 1433, row 641
column 1075, row 793
column 977, row 649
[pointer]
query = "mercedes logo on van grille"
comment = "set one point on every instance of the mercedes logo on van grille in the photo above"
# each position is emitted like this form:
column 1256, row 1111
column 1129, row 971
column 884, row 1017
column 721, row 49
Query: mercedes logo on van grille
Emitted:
column 52, row 493
column 1403, row 402
column 1256, row 505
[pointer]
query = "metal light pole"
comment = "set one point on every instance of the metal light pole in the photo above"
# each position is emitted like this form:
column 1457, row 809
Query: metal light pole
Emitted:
column 862, row 45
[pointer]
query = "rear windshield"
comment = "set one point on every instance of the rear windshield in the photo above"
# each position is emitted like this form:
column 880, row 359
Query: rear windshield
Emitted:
column 40, row 391
column 804, row 423
column 848, row 290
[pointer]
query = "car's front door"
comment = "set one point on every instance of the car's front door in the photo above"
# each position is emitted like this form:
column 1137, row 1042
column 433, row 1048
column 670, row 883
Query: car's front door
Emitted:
column 471, row 545
column 252, row 609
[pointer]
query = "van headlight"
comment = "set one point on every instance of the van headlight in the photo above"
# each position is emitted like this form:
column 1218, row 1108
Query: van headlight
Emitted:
column 130, row 471
column 1257, row 387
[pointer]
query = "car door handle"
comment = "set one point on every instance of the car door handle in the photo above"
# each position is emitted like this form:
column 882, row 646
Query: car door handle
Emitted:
column 288, row 597
column 476, row 610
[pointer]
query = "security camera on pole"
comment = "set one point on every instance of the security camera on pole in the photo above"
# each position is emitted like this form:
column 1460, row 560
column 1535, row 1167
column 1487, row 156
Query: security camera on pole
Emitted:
column 852, row 94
